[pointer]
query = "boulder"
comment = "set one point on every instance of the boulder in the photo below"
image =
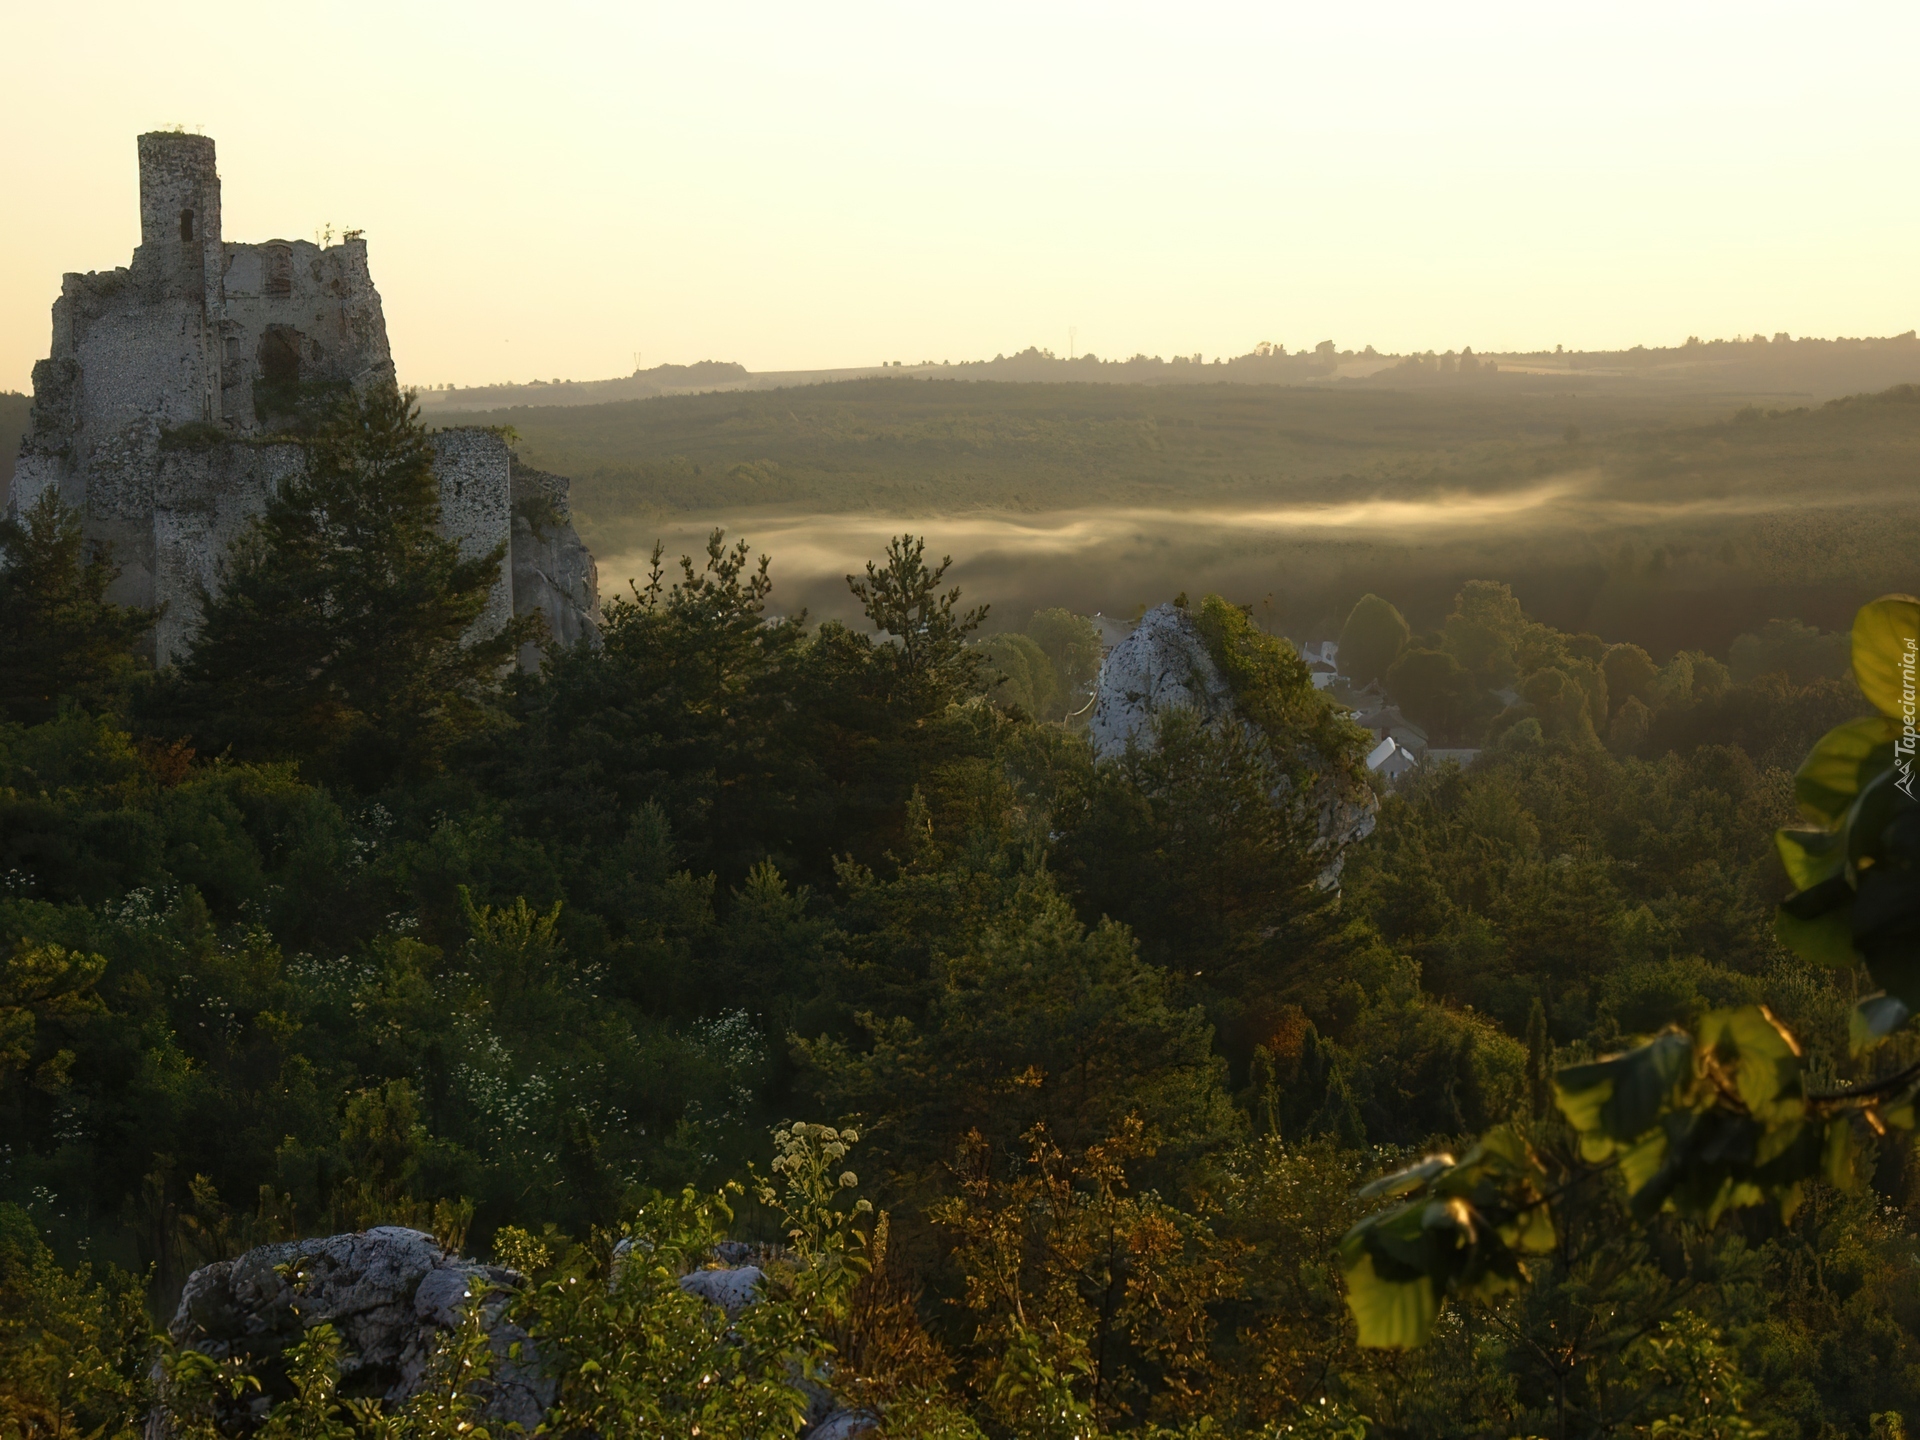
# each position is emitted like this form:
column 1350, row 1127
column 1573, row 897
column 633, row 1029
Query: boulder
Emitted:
column 733, row 1287
column 844, row 1425
column 389, row 1292
column 1165, row 664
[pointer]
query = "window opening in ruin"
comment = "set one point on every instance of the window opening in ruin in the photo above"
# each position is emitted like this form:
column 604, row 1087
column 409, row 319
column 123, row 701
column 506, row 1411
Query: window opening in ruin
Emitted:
column 279, row 270
column 186, row 225
column 280, row 355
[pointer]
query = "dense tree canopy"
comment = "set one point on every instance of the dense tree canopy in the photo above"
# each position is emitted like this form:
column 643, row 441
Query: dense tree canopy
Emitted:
column 1371, row 640
column 301, row 937
column 60, row 638
column 342, row 631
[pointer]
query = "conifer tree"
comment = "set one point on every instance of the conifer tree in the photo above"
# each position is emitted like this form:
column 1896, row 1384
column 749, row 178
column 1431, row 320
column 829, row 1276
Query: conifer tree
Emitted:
column 903, row 599
column 343, row 632
column 59, row 635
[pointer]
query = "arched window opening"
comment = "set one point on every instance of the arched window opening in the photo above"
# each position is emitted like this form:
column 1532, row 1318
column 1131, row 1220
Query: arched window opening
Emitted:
column 186, row 225
column 279, row 355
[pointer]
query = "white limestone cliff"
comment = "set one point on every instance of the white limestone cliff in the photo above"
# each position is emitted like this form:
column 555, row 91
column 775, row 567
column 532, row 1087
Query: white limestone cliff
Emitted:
column 1165, row 664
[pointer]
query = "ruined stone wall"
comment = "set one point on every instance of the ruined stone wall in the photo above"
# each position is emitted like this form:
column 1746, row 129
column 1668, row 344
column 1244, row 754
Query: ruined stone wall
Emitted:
column 476, row 507
column 156, row 408
column 294, row 313
column 202, row 502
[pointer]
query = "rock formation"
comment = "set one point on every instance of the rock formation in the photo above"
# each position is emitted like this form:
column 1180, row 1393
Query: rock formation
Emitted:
column 553, row 572
column 391, row 1294
column 1161, row 665
column 1165, row 664
column 162, row 407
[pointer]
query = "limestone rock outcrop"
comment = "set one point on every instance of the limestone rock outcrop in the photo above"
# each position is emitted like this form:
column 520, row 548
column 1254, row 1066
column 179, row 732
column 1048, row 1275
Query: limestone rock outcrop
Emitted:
column 735, row 1286
column 732, row 1287
column 553, row 571
column 1165, row 664
column 389, row 1292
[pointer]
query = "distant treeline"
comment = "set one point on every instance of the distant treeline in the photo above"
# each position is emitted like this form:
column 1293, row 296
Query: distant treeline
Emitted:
column 1821, row 367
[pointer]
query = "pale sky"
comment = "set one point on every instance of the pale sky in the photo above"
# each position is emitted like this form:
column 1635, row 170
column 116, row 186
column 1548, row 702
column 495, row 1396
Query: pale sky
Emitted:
column 548, row 188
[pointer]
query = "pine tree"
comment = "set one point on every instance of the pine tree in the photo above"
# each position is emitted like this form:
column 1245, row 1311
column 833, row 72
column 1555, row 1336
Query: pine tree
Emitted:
column 59, row 636
column 1539, row 1061
column 902, row 598
column 342, row 634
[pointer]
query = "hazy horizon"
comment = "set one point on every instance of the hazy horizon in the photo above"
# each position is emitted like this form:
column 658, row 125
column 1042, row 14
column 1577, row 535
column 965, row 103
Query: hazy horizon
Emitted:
column 546, row 196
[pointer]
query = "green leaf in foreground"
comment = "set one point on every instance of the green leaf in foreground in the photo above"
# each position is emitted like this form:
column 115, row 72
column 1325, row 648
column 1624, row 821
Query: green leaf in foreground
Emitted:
column 1886, row 652
column 1612, row 1103
column 1840, row 765
column 1464, row 1229
column 1810, row 857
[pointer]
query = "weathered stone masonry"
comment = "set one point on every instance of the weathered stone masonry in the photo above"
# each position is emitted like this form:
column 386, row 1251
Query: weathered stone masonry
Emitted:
column 187, row 341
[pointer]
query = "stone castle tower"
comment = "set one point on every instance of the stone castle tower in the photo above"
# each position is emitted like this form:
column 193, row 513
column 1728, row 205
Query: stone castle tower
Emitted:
column 161, row 409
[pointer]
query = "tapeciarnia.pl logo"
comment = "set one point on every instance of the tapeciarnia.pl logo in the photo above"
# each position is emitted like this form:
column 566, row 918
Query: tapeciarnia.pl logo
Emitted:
column 1903, row 748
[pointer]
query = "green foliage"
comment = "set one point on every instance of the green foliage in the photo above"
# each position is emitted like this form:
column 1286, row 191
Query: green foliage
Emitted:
column 60, row 638
column 1116, row 1056
column 1077, row 1290
column 1857, row 894
column 928, row 629
column 1700, row 1380
column 1035, row 1020
column 1048, row 672
column 1466, row 1228
column 1436, row 692
column 340, row 634
column 1630, row 673
column 42, row 981
column 1073, row 646
column 635, row 1354
column 1371, row 640
column 1702, row 1127
column 1486, row 632
column 1021, row 675
column 814, row 1209
column 73, row 1348
column 1721, row 1117
column 1800, row 652
column 1185, row 843
column 1309, row 737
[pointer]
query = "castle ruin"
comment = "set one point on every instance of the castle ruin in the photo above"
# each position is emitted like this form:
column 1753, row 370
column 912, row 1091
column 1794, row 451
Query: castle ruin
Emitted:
column 162, row 409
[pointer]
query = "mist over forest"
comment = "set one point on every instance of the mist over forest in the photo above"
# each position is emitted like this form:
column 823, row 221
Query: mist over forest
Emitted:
column 1668, row 518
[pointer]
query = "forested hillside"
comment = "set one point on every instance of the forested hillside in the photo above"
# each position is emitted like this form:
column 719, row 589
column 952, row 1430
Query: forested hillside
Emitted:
column 1674, row 522
column 1051, row 1083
